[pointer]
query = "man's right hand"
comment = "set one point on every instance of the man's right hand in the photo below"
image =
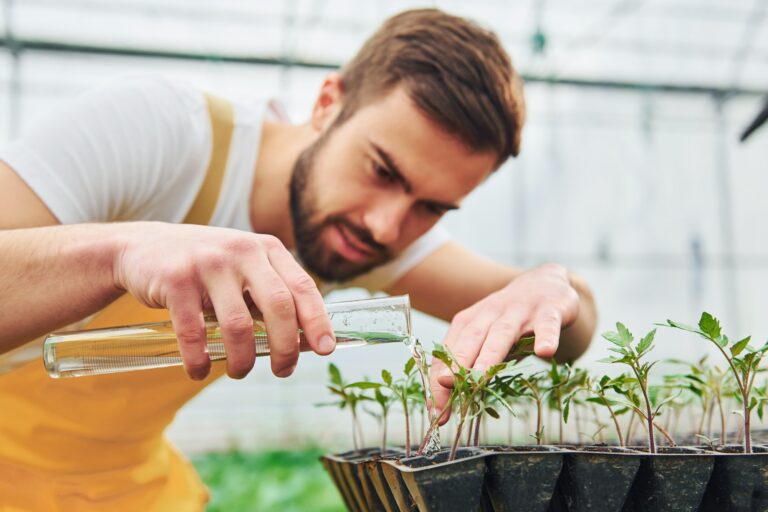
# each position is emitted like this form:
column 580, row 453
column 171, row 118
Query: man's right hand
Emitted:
column 190, row 269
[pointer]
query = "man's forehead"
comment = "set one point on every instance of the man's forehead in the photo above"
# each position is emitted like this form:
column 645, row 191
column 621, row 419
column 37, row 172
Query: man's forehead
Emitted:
column 420, row 148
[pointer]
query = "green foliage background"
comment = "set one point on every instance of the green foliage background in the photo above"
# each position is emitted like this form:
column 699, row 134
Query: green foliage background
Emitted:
column 279, row 480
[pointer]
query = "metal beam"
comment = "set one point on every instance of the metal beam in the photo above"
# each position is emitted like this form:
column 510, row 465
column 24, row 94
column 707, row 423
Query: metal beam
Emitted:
column 18, row 45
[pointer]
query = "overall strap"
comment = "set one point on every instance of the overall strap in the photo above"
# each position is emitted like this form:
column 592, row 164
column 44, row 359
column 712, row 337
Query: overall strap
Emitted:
column 126, row 309
column 222, row 118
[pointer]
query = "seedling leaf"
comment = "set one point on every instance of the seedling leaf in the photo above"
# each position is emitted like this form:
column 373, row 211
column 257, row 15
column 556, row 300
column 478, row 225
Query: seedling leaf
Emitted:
column 739, row 346
column 364, row 385
column 645, row 343
column 684, row 327
column 626, row 336
column 335, row 374
column 710, row 326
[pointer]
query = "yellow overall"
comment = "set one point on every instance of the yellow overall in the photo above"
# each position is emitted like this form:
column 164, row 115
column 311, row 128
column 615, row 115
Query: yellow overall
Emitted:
column 97, row 443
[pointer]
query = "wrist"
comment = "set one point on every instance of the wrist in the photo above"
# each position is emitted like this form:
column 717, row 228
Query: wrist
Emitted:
column 109, row 248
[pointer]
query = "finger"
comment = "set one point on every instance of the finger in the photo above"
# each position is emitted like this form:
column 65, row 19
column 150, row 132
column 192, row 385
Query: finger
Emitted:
column 235, row 321
column 458, row 323
column 440, row 393
column 546, row 330
column 310, row 308
column 502, row 335
column 274, row 300
column 186, row 310
column 470, row 340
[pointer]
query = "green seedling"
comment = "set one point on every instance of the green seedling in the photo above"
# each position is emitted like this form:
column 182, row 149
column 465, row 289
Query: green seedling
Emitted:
column 743, row 361
column 382, row 398
column 501, row 387
column 409, row 391
column 601, row 392
column 685, row 397
column 404, row 390
column 470, row 389
column 633, row 400
column 520, row 350
column 563, row 379
column 349, row 397
column 534, row 387
column 709, row 385
column 721, row 384
column 710, row 442
column 713, row 384
column 632, row 356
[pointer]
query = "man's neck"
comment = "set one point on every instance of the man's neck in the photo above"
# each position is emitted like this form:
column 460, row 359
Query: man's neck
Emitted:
column 280, row 146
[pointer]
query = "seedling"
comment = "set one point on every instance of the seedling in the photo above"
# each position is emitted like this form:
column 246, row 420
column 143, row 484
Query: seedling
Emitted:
column 470, row 387
column 404, row 390
column 631, row 356
column 562, row 381
column 349, row 397
column 720, row 383
column 533, row 386
column 384, row 400
column 711, row 443
column 599, row 394
column 502, row 387
column 743, row 361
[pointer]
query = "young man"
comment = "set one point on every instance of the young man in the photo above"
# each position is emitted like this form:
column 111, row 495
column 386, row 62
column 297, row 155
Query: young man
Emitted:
column 425, row 112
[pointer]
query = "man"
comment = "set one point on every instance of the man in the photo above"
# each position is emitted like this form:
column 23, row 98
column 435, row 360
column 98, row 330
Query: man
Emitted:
column 425, row 112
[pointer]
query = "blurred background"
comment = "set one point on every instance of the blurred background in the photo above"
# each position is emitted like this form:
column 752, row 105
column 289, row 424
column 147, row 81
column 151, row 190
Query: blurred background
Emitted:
column 631, row 172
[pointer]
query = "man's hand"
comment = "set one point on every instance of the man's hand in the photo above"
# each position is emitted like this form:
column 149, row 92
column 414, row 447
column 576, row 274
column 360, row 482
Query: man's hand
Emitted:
column 541, row 302
column 190, row 269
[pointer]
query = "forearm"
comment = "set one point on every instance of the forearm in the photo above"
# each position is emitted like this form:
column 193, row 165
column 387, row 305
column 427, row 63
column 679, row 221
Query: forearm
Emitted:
column 53, row 276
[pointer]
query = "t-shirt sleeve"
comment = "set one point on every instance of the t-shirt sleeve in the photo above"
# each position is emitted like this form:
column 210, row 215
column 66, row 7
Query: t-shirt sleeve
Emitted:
column 381, row 278
column 118, row 152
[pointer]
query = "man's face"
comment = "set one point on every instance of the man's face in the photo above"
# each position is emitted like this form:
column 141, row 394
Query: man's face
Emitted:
column 367, row 188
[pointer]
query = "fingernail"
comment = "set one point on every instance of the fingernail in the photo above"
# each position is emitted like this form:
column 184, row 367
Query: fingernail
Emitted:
column 327, row 344
column 545, row 344
column 199, row 374
column 481, row 367
column 286, row 372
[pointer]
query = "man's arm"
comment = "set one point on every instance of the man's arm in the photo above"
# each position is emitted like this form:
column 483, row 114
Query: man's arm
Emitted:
column 52, row 275
column 452, row 279
column 491, row 306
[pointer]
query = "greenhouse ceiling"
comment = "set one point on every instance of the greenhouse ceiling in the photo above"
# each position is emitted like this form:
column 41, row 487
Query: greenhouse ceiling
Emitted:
column 709, row 44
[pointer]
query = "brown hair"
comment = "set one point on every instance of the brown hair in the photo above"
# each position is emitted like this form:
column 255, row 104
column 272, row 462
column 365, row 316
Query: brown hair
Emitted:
column 456, row 72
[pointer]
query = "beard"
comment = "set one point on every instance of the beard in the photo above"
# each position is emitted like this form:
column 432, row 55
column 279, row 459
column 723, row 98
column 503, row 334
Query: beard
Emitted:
column 316, row 257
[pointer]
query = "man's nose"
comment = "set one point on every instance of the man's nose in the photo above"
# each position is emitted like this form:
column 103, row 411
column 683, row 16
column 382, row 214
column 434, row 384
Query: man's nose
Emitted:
column 384, row 219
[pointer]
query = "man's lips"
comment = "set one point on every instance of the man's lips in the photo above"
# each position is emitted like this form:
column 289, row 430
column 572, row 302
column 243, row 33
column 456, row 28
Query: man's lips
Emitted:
column 351, row 246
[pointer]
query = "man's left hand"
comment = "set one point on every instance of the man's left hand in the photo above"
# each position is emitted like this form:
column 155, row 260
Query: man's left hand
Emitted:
column 541, row 302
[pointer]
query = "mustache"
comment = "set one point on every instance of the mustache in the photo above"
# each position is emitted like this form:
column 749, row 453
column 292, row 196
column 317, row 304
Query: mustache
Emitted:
column 361, row 234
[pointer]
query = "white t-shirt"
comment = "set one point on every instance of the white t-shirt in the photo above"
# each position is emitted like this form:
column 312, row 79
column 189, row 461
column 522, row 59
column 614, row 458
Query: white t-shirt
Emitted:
column 139, row 149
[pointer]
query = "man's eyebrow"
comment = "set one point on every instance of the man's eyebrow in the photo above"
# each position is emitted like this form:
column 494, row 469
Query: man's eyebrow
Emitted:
column 398, row 176
column 390, row 163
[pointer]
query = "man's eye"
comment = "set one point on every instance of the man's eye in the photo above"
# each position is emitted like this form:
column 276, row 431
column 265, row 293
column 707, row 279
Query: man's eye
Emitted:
column 382, row 172
column 434, row 209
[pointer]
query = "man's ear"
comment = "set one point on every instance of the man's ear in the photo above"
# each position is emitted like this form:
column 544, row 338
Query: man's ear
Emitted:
column 328, row 103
